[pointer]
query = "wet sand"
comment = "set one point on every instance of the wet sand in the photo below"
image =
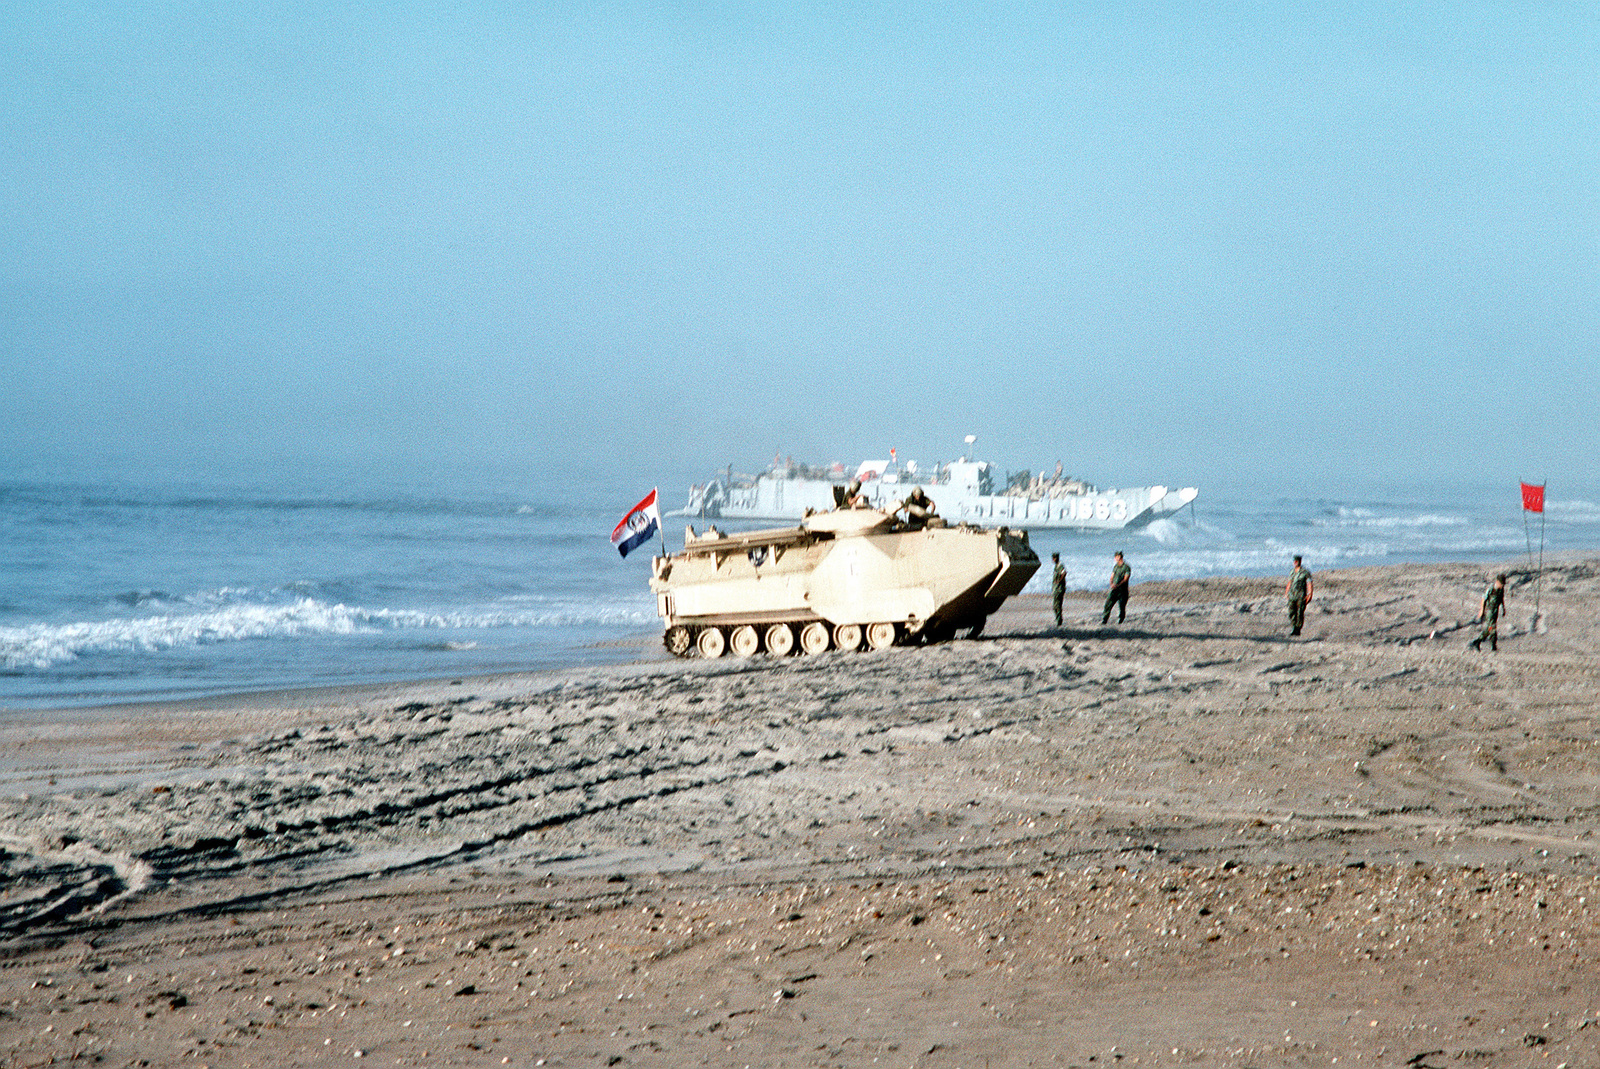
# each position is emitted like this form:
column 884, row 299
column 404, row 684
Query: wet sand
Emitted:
column 1185, row 840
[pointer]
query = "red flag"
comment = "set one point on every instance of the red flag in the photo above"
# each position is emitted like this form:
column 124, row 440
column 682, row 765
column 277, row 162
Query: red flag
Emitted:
column 1532, row 498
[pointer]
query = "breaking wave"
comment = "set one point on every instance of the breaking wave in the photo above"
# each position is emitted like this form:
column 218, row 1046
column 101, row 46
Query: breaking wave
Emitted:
column 1574, row 511
column 41, row 645
column 1362, row 518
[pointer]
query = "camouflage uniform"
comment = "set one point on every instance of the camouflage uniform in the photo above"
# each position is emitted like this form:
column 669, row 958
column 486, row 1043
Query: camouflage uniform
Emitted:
column 1118, row 594
column 1058, row 588
column 1494, row 600
column 1299, row 594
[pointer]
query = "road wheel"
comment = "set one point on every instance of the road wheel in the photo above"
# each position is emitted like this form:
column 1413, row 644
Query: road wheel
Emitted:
column 711, row 642
column 677, row 640
column 780, row 640
column 847, row 636
column 880, row 636
column 814, row 637
column 744, row 641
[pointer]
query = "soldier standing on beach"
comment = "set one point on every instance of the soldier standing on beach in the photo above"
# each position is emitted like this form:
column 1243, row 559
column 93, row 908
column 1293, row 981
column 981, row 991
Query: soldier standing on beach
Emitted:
column 1494, row 599
column 1298, row 591
column 1118, row 594
column 1058, row 585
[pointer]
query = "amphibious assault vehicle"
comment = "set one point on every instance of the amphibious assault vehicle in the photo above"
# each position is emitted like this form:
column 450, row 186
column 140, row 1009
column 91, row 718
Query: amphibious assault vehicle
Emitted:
column 837, row 580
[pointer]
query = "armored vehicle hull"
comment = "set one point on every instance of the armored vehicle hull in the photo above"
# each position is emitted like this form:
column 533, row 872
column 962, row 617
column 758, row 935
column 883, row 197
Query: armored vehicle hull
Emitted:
column 839, row 580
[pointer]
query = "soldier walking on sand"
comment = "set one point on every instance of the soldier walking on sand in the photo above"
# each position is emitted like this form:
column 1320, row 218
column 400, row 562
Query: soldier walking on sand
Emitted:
column 1058, row 585
column 1494, row 600
column 1118, row 593
column 1298, row 591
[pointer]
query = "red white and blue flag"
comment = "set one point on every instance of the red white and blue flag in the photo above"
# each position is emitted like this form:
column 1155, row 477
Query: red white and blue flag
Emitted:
column 637, row 526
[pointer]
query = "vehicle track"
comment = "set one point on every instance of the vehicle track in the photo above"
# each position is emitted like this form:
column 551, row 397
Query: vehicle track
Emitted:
column 714, row 757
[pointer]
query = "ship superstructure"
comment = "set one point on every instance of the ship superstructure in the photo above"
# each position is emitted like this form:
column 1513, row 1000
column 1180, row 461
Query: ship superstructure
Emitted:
column 964, row 491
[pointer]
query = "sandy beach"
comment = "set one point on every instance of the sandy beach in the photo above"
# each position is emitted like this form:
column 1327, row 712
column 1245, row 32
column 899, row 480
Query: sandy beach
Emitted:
column 1187, row 840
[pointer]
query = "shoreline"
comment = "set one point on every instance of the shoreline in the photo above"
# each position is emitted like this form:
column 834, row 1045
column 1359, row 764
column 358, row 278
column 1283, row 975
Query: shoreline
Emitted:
column 1187, row 840
column 1020, row 611
column 290, row 695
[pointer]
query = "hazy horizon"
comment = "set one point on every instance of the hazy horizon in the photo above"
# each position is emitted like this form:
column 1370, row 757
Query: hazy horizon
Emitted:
column 1284, row 247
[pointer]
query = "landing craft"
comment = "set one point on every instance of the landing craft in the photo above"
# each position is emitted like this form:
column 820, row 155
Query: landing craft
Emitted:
column 839, row 579
column 964, row 491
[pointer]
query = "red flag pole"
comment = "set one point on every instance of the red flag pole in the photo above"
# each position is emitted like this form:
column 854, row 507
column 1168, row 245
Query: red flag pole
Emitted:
column 1533, row 501
column 1527, row 533
column 1538, row 577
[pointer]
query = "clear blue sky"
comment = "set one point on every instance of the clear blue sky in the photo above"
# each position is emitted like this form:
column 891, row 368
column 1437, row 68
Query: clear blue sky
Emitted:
column 1224, row 244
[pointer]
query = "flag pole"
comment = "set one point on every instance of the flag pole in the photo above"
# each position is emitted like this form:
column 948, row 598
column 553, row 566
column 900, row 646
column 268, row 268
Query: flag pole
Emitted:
column 1533, row 501
column 1538, row 577
column 661, row 525
column 1528, row 534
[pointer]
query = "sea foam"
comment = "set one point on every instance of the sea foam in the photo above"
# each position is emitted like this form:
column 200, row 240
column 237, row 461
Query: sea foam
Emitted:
column 39, row 646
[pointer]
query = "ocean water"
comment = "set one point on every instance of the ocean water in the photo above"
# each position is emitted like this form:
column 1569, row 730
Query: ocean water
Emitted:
column 124, row 592
column 1234, row 535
